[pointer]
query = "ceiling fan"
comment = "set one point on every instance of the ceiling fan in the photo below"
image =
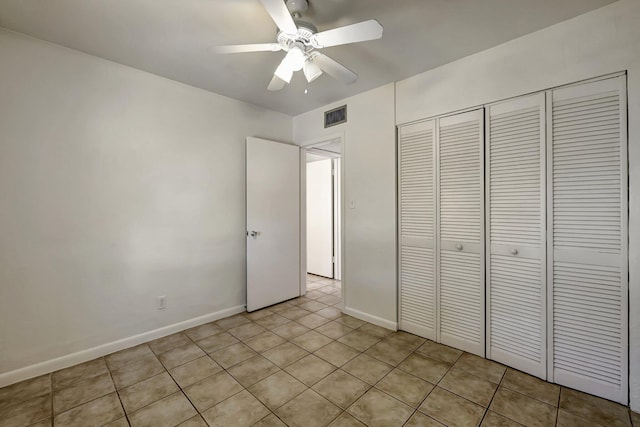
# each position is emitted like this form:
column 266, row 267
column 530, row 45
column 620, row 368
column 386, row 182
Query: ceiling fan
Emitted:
column 301, row 40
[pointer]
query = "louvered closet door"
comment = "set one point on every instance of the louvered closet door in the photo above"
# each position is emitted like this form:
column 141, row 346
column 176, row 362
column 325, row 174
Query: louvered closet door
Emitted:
column 588, row 240
column 461, row 225
column 417, row 302
column 516, row 252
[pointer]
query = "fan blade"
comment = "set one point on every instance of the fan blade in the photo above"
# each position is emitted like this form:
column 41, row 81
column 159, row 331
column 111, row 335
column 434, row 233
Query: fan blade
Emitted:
column 242, row 48
column 276, row 84
column 334, row 69
column 360, row 32
column 280, row 15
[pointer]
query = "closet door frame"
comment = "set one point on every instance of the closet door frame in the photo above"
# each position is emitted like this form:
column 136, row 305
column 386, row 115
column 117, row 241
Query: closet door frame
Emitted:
column 624, row 250
column 521, row 102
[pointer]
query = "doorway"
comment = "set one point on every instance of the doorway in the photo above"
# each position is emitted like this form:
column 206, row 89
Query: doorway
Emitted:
column 323, row 217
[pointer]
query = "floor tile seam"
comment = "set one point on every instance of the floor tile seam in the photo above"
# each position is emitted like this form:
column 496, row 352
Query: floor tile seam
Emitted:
column 402, row 401
column 126, row 415
column 531, row 397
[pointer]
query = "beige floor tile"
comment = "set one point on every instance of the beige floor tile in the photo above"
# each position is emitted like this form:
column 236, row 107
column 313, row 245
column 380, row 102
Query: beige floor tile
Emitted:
column 375, row 330
column 285, row 354
column 196, row 421
column 300, row 300
column 259, row 314
column 212, row 390
column 232, row 355
column 329, row 299
column 217, row 342
column 358, row 340
column 270, row 421
column 594, row 408
column 367, row 368
column 523, row 409
column 480, row 367
column 232, row 322
column 26, row 412
column 290, row 330
column 418, row 419
column 238, row 411
column 82, row 392
column 567, row 419
column 95, row 413
column 24, row 390
column 451, row 409
column 312, row 306
column 312, row 320
column 309, row 409
column 246, row 331
column 194, row 371
column 169, row 411
column 70, row 376
column 346, row 420
column 180, row 355
column 469, row 386
column 120, row 422
column 167, row 343
column 49, row 423
column 264, row 341
column 635, row 419
column 405, row 387
column 331, row 313
column 203, row 331
column 310, row 369
column 281, row 307
column 350, row 321
column 408, row 338
column 388, row 352
column 121, row 358
column 341, row 388
column 137, row 371
column 491, row 419
column 531, row 386
column 439, row 351
column 336, row 353
column 147, row 392
column 294, row 313
column 334, row 330
column 311, row 341
column 424, row 367
column 253, row 370
column 276, row 390
column 315, row 294
column 376, row 408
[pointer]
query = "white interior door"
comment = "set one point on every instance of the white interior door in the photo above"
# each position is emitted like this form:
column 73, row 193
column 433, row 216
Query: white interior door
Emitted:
column 516, row 218
column 273, row 222
column 417, row 229
column 588, row 240
column 320, row 218
column 460, row 210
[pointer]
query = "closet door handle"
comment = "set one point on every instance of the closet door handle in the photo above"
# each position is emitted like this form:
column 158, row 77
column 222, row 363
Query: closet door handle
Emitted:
column 514, row 251
column 459, row 246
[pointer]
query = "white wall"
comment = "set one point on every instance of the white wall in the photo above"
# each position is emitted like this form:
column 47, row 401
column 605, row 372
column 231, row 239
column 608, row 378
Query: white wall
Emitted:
column 369, row 166
column 115, row 186
column 600, row 42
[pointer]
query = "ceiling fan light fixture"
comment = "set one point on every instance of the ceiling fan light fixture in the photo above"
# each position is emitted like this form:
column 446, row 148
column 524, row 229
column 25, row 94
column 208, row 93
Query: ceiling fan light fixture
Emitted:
column 311, row 70
column 284, row 71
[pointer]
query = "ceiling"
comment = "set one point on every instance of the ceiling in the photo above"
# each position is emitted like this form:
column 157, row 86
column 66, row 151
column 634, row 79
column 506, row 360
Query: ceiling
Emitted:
column 173, row 38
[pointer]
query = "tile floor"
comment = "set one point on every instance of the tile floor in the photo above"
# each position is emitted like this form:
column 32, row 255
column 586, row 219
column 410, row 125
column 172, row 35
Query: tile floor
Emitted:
column 304, row 364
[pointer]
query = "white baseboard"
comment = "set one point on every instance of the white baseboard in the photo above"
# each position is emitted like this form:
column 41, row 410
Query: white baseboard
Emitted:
column 371, row 318
column 82, row 356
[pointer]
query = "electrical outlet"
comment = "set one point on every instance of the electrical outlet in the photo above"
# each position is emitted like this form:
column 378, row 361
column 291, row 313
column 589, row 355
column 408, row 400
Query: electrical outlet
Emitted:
column 162, row 302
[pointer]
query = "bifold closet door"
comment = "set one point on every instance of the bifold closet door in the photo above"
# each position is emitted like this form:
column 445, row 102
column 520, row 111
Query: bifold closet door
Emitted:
column 460, row 201
column 516, row 251
column 587, row 238
column 417, row 302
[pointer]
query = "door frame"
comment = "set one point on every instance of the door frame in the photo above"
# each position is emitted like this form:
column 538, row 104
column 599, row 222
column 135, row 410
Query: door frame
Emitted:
column 303, row 209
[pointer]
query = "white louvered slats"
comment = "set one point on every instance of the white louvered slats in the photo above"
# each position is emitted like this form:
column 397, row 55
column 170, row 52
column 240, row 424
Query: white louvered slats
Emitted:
column 416, row 213
column 516, row 270
column 461, row 231
column 588, row 251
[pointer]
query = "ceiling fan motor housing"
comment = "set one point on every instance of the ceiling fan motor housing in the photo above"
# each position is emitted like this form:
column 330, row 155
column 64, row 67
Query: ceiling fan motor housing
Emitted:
column 297, row 7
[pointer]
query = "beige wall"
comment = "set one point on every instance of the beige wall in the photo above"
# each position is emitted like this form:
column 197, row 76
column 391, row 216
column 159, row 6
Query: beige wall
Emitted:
column 116, row 186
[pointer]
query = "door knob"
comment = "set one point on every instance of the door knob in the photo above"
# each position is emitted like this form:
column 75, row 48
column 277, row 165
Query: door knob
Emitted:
column 514, row 251
column 459, row 246
column 253, row 234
